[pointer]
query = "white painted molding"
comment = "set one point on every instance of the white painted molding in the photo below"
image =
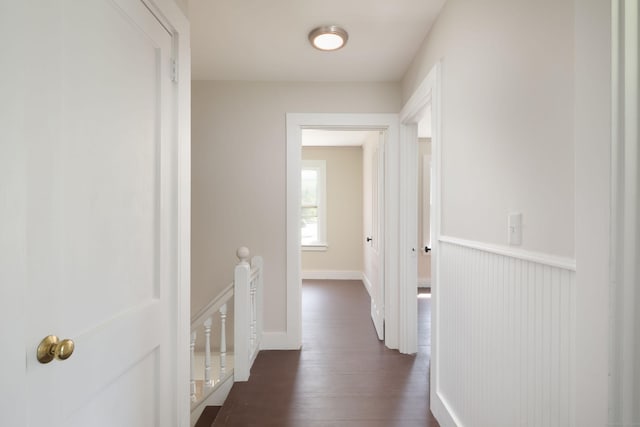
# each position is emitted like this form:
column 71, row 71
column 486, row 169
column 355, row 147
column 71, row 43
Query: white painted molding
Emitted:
column 412, row 113
column 278, row 341
column 367, row 285
column 624, row 252
column 537, row 257
column 171, row 17
column 332, row 275
column 443, row 412
column 429, row 92
column 321, row 247
column 414, row 109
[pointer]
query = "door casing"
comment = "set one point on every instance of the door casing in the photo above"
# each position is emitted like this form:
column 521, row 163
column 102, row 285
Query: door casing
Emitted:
column 292, row 337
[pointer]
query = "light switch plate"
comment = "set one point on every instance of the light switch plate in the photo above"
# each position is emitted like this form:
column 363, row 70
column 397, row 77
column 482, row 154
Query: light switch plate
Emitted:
column 515, row 229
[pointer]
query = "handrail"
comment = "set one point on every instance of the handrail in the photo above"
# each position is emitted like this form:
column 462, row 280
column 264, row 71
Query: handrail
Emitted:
column 213, row 306
column 246, row 292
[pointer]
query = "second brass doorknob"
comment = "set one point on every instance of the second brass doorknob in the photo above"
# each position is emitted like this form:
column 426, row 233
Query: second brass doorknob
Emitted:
column 51, row 348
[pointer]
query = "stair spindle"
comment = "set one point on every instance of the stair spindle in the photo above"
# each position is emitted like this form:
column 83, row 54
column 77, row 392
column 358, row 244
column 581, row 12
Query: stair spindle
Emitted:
column 223, row 340
column 193, row 362
column 207, row 353
column 253, row 313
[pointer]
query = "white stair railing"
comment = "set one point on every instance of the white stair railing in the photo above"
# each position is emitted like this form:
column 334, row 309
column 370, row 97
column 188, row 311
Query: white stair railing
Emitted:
column 211, row 322
column 215, row 313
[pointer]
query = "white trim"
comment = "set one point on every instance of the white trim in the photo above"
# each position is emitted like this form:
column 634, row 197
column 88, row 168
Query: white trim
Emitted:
column 295, row 122
column 367, row 284
column 428, row 93
column 319, row 247
column 172, row 18
column 331, row 275
column 443, row 412
column 275, row 341
column 213, row 306
column 537, row 257
column 624, row 306
column 412, row 113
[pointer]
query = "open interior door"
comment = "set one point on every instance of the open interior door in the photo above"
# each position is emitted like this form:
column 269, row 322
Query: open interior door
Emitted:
column 94, row 224
column 373, row 212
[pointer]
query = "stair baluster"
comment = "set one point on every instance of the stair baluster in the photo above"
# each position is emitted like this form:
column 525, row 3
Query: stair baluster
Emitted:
column 252, row 292
column 193, row 361
column 223, row 340
column 207, row 354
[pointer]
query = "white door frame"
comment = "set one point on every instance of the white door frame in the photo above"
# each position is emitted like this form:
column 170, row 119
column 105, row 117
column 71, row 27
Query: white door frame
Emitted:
column 625, row 236
column 292, row 338
column 428, row 93
column 170, row 15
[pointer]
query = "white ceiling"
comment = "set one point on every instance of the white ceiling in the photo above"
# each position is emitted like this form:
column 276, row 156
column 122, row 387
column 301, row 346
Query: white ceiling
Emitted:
column 334, row 138
column 266, row 40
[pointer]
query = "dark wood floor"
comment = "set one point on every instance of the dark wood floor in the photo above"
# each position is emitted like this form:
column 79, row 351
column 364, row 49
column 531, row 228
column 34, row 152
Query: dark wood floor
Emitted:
column 343, row 376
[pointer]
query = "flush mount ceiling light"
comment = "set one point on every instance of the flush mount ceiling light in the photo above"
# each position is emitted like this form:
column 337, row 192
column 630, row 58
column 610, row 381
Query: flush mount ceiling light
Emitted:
column 330, row 37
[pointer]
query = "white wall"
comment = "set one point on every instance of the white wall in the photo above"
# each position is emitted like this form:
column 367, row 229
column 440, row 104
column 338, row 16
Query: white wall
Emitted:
column 239, row 187
column 507, row 93
column 525, row 127
column 344, row 211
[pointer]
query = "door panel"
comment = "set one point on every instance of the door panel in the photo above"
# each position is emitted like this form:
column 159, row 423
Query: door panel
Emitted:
column 100, row 227
column 373, row 224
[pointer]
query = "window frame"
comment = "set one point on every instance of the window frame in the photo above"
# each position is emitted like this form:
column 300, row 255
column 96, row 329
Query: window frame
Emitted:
column 320, row 166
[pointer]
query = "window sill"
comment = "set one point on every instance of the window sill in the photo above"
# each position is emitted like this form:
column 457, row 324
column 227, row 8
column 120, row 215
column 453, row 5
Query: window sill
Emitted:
column 316, row 247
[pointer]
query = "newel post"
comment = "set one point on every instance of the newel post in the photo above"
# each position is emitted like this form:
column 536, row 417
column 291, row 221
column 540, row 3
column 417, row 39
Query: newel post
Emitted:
column 242, row 307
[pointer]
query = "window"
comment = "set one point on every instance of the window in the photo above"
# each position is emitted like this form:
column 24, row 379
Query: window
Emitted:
column 313, row 216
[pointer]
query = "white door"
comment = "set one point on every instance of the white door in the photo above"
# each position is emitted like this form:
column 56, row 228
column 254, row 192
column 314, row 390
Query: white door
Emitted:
column 90, row 171
column 373, row 223
column 424, row 260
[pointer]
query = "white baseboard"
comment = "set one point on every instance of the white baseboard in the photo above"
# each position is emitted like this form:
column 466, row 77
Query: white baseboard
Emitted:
column 276, row 341
column 424, row 283
column 442, row 412
column 332, row 275
column 367, row 284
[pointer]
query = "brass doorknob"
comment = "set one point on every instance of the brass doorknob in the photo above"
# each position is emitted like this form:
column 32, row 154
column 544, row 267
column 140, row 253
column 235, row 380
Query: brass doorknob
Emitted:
column 52, row 348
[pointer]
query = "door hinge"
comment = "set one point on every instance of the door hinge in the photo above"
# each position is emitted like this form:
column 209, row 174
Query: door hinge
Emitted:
column 174, row 71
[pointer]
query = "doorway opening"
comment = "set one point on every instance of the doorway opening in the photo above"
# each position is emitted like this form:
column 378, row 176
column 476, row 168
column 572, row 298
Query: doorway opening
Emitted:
column 424, row 202
column 297, row 126
column 342, row 200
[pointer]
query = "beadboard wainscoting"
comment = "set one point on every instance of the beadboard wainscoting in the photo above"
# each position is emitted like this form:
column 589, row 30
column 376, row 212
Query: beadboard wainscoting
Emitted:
column 504, row 341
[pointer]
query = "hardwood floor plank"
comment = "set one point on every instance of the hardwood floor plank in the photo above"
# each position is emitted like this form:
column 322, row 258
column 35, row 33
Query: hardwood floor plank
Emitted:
column 343, row 376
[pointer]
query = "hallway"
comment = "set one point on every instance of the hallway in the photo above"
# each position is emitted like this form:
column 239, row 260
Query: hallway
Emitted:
column 343, row 376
